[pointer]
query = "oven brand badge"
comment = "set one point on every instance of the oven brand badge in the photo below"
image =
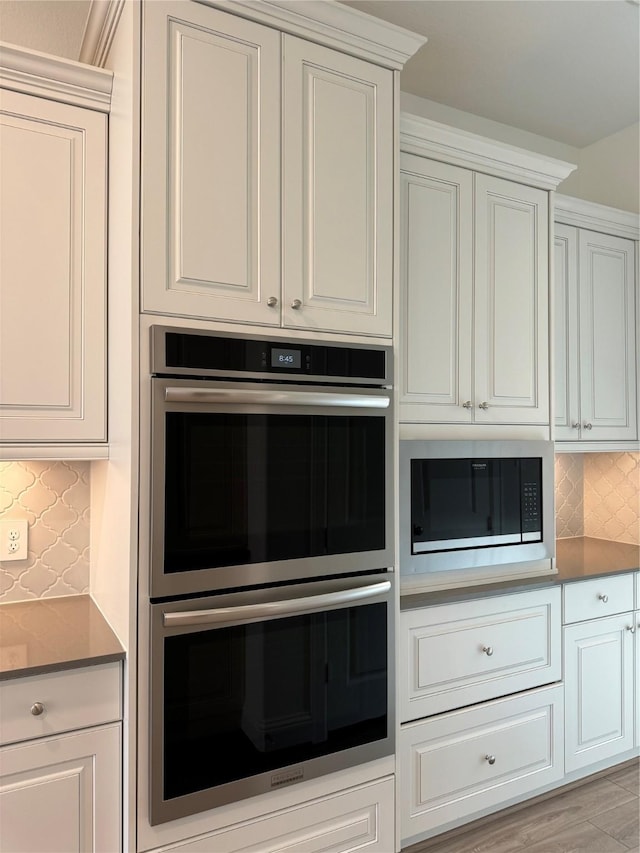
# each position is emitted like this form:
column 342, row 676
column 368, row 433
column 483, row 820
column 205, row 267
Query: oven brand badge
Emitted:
column 287, row 777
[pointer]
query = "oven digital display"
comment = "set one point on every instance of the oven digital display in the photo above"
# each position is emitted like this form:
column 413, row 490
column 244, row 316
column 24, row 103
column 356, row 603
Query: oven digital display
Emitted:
column 286, row 358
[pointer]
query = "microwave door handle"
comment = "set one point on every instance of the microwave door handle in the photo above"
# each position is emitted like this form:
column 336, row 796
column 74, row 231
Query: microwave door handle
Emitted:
column 275, row 398
column 273, row 609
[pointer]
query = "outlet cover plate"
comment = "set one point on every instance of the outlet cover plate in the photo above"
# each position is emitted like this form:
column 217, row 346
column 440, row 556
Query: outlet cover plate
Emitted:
column 14, row 539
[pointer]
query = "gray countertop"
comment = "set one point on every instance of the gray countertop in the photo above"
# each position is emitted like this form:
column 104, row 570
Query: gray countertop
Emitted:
column 51, row 634
column 577, row 559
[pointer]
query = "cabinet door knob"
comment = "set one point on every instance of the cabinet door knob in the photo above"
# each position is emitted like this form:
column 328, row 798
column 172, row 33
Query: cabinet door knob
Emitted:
column 467, row 405
column 272, row 301
column 488, row 650
column 603, row 598
column 37, row 708
column 296, row 304
column 484, row 405
column 490, row 759
column 587, row 425
column 631, row 629
column 575, row 425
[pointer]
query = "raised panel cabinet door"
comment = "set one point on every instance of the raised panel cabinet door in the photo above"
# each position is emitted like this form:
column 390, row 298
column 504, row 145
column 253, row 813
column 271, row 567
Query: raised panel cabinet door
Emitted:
column 599, row 700
column 608, row 360
column 210, row 165
column 62, row 794
column 436, row 291
column 337, row 191
column 53, row 271
column 511, row 302
column 565, row 331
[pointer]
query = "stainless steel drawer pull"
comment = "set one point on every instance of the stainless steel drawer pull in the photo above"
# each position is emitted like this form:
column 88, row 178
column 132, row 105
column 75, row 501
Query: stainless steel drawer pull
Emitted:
column 603, row 598
column 250, row 396
column 490, row 759
column 274, row 609
column 37, row 708
column 488, row 650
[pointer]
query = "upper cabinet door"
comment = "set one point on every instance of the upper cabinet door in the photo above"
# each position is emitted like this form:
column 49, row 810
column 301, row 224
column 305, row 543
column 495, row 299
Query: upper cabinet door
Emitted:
column 607, row 337
column 511, row 308
column 210, row 165
column 337, row 191
column 436, row 269
column 53, row 271
column 566, row 339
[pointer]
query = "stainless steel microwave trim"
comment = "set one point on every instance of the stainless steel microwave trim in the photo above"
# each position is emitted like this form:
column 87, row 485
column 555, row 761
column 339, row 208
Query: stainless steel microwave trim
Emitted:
column 287, row 397
column 159, row 360
column 162, row 811
column 274, row 609
column 416, row 565
column 207, row 580
column 472, row 542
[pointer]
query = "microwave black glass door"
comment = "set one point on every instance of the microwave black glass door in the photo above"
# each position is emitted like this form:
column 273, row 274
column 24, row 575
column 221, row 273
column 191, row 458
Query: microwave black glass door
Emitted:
column 247, row 699
column 458, row 503
column 255, row 488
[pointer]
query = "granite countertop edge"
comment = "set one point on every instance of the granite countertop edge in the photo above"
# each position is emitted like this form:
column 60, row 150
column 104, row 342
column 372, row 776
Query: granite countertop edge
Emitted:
column 49, row 635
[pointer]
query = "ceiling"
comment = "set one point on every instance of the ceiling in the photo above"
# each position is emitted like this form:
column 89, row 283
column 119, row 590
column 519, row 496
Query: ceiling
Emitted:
column 565, row 69
column 568, row 70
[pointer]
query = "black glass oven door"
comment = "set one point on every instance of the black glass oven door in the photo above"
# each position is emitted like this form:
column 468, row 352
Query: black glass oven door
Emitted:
column 242, row 702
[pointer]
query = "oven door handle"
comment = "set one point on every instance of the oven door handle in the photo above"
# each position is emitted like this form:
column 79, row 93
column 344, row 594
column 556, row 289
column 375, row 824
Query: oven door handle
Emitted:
column 275, row 398
column 274, row 609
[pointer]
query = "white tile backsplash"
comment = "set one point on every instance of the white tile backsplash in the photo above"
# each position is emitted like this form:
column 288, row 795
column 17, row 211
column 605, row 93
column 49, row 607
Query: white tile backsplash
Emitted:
column 598, row 494
column 54, row 497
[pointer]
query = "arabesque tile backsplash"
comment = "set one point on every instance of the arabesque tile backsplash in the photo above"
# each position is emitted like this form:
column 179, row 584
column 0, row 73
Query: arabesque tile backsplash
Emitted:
column 598, row 494
column 55, row 498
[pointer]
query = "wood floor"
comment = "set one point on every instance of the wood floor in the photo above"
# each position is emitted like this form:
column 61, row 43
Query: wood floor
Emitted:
column 598, row 817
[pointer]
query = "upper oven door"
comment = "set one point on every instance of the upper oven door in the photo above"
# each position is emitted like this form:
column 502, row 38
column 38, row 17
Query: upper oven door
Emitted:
column 259, row 483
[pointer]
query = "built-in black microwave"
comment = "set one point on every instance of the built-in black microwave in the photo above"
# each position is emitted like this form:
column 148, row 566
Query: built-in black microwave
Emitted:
column 481, row 507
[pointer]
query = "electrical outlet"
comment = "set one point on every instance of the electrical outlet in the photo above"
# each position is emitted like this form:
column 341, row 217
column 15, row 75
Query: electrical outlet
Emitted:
column 14, row 539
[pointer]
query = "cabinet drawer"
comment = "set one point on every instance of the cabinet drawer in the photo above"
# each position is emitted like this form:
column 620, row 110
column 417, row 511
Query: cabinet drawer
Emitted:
column 360, row 818
column 598, row 597
column 459, row 654
column 73, row 699
column 479, row 758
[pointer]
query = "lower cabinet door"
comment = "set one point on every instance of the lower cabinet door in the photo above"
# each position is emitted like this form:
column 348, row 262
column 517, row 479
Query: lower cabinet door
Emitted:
column 62, row 794
column 360, row 819
column 457, row 765
column 599, row 696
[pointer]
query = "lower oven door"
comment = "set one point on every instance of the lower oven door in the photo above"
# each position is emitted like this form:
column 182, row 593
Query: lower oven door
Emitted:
column 254, row 690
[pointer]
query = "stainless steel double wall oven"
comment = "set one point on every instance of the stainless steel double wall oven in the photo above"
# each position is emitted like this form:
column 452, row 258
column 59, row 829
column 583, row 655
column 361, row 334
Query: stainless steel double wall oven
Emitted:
column 271, row 564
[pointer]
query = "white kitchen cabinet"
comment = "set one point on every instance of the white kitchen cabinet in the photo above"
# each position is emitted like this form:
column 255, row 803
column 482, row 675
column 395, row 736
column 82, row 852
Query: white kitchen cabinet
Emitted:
column 53, row 135
column 474, row 297
column 454, row 655
column 595, row 327
column 599, row 690
column 359, row 818
column 60, row 777
column 599, row 644
column 237, row 117
column 474, row 760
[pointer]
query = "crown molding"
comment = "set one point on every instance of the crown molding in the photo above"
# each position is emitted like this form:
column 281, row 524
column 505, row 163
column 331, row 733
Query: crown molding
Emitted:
column 596, row 217
column 333, row 24
column 99, row 31
column 35, row 73
column 438, row 141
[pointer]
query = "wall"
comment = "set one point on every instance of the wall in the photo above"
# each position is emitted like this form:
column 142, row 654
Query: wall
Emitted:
column 54, row 497
column 598, row 495
column 50, row 26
